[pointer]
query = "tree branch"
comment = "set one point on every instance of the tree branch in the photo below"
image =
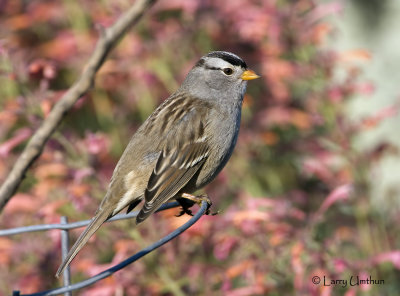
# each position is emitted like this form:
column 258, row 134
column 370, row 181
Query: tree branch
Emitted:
column 108, row 39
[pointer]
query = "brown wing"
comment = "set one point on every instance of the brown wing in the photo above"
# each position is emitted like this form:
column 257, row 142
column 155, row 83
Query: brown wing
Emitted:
column 185, row 151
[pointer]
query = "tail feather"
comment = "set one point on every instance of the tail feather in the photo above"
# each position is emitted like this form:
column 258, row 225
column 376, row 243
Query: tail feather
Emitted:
column 95, row 224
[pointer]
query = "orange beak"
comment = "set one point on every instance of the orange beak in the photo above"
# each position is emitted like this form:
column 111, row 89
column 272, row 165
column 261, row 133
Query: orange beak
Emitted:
column 249, row 75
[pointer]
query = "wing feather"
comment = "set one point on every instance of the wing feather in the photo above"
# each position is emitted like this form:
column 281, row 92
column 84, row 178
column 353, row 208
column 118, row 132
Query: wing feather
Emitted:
column 168, row 182
column 184, row 152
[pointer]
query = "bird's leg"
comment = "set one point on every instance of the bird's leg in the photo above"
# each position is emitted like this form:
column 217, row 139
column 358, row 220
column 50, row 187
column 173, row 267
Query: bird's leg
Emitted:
column 188, row 200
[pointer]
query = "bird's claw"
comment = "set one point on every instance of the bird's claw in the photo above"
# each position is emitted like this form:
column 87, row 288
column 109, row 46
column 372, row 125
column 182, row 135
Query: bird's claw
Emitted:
column 194, row 199
column 212, row 214
column 184, row 211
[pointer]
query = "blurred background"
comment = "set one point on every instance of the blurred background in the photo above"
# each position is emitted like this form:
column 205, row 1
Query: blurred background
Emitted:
column 311, row 189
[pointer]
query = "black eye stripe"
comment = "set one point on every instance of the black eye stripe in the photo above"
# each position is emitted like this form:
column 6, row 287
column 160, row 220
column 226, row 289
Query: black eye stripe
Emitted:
column 227, row 71
column 212, row 68
column 220, row 69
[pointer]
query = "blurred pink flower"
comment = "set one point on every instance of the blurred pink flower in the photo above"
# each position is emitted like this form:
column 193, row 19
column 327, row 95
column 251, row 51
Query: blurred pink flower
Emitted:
column 49, row 211
column 81, row 174
column 223, row 247
column 62, row 47
column 297, row 251
column 325, row 9
column 246, row 291
column 336, row 94
column 41, row 68
column 391, row 256
column 340, row 265
column 106, row 288
column 365, row 88
column 22, row 202
column 351, row 292
column 314, row 166
column 379, row 116
column 274, row 116
column 363, row 275
column 189, row 7
column 19, row 136
column 97, row 143
column 340, row 193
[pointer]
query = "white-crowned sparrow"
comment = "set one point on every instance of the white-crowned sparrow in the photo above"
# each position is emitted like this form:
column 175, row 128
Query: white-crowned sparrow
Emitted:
column 181, row 147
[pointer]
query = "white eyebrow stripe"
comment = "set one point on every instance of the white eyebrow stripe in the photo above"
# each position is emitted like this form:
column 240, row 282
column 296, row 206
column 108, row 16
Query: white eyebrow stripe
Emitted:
column 218, row 63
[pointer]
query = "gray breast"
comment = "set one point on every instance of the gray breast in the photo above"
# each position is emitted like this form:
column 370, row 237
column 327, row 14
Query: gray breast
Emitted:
column 224, row 130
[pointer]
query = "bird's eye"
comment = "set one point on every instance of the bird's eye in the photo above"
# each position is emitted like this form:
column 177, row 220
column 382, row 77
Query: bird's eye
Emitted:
column 228, row 71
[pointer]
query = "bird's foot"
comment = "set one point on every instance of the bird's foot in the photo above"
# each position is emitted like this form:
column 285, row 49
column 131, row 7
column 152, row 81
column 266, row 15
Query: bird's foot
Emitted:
column 188, row 200
column 184, row 211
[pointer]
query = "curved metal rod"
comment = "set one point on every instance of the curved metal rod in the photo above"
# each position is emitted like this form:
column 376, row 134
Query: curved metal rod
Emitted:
column 42, row 227
column 128, row 261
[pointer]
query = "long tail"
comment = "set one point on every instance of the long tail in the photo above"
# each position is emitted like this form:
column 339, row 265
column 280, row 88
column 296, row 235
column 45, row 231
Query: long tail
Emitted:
column 95, row 224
